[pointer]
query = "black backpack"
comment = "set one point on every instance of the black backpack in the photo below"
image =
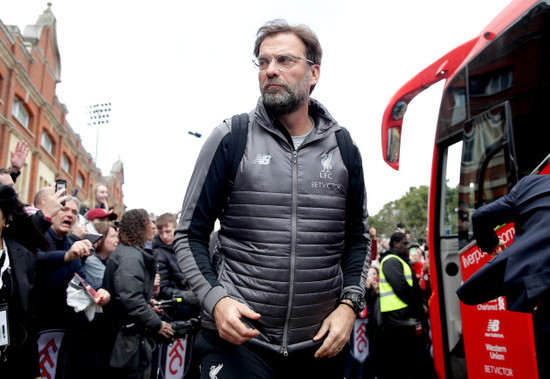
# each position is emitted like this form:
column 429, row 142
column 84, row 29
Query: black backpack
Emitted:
column 239, row 134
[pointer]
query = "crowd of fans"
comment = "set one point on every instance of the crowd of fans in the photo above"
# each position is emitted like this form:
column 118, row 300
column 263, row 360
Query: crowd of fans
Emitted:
column 118, row 266
column 130, row 264
column 397, row 329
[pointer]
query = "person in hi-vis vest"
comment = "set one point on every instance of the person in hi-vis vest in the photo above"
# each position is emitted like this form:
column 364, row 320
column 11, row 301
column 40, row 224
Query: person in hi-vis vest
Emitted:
column 403, row 351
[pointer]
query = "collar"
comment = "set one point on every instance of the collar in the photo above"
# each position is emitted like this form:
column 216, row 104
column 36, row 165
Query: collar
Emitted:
column 391, row 251
column 323, row 120
column 5, row 261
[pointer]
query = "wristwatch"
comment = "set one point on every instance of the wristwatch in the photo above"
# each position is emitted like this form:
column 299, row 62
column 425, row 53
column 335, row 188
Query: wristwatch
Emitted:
column 357, row 299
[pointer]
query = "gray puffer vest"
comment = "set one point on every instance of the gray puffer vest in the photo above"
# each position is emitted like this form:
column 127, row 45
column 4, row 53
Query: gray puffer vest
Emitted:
column 282, row 232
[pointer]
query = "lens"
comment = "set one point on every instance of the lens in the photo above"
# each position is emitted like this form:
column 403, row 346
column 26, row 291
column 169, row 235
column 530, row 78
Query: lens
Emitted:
column 285, row 61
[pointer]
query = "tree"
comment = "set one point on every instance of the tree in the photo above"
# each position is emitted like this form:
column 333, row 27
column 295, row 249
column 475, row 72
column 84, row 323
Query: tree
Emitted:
column 411, row 210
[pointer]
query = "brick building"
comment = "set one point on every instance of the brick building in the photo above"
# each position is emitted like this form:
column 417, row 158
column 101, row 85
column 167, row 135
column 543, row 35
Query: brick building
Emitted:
column 30, row 68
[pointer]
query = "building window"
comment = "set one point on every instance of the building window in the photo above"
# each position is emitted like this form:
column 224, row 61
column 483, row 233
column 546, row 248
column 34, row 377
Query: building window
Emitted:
column 80, row 180
column 20, row 113
column 47, row 143
column 42, row 182
column 65, row 164
column 1, row 87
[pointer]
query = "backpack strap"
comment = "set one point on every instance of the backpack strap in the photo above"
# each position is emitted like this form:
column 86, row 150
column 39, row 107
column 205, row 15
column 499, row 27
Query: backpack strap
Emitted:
column 348, row 151
column 237, row 144
column 239, row 134
column 350, row 156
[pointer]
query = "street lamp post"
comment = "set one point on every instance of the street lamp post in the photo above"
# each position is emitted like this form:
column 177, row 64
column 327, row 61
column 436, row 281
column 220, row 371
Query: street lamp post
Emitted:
column 98, row 114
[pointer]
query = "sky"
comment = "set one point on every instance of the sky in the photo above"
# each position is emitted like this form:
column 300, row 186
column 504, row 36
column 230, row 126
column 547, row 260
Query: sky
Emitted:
column 169, row 67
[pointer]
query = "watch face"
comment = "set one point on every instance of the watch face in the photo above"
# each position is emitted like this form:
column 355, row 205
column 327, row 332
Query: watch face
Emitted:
column 358, row 301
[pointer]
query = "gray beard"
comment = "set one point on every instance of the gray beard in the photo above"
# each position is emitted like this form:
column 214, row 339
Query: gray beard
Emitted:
column 288, row 101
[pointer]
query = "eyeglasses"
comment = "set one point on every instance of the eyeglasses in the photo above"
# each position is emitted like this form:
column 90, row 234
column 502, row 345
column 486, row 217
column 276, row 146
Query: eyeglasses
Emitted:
column 283, row 62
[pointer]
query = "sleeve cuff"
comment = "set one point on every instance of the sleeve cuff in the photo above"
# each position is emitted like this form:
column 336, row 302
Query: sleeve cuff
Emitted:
column 212, row 298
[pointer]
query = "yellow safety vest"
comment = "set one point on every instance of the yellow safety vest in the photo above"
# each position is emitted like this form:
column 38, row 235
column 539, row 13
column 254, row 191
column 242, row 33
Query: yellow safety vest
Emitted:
column 389, row 301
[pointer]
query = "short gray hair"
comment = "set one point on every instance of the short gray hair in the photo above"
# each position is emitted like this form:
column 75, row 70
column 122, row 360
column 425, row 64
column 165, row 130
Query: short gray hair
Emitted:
column 314, row 52
column 72, row 198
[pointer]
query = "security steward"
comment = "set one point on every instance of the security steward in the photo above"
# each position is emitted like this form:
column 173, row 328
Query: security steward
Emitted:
column 404, row 353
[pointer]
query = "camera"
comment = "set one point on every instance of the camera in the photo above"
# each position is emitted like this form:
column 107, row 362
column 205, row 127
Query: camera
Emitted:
column 169, row 304
column 183, row 328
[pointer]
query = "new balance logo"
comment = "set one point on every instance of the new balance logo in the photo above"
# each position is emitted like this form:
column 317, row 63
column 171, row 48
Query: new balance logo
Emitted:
column 493, row 326
column 261, row 159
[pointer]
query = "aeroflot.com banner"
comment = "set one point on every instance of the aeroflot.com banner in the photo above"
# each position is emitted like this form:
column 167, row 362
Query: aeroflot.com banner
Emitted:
column 498, row 343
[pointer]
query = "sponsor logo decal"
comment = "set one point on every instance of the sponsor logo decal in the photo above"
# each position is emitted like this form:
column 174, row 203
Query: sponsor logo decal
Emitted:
column 261, row 159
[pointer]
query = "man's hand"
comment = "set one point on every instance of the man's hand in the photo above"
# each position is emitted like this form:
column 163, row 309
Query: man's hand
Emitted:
column 166, row 330
column 156, row 285
column 498, row 248
column 105, row 297
column 80, row 230
column 78, row 250
column 339, row 325
column 155, row 306
column 19, row 156
column 51, row 204
column 228, row 314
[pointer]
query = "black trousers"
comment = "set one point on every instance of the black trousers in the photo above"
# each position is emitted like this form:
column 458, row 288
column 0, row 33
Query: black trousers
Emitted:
column 403, row 355
column 542, row 335
column 223, row 360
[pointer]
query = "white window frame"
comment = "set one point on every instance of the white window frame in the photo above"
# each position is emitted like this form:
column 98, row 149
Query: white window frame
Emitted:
column 20, row 113
column 65, row 163
column 46, row 142
column 79, row 180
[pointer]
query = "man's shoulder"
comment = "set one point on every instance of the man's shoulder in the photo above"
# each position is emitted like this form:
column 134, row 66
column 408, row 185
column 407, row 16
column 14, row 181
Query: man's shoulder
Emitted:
column 392, row 260
column 93, row 260
column 18, row 250
column 125, row 252
column 532, row 183
column 164, row 252
column 12, row 244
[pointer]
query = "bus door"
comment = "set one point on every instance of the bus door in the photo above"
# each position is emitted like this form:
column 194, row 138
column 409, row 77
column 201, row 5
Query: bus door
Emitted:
column 497, row 342
column 477, row 165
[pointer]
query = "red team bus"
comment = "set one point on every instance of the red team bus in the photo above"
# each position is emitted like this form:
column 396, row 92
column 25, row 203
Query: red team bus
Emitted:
column 491, row 131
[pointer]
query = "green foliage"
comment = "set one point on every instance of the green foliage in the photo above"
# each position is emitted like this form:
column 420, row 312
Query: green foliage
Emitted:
column 411, row 210
column 451, row 209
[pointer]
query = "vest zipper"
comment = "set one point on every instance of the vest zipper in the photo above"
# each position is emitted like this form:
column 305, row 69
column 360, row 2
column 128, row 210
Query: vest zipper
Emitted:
column 292, row 250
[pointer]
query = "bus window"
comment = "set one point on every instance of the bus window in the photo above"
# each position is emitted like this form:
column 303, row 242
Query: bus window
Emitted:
column 450, row 225
column 515, row 68
column 453, row 111
column 487, row 169
column 394, row 142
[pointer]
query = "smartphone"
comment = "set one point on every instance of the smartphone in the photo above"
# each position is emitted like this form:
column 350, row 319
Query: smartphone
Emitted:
column 59, row 185
column 93, row 237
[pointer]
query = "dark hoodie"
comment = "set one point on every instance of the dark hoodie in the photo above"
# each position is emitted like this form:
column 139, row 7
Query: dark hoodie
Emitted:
column 172, row 282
